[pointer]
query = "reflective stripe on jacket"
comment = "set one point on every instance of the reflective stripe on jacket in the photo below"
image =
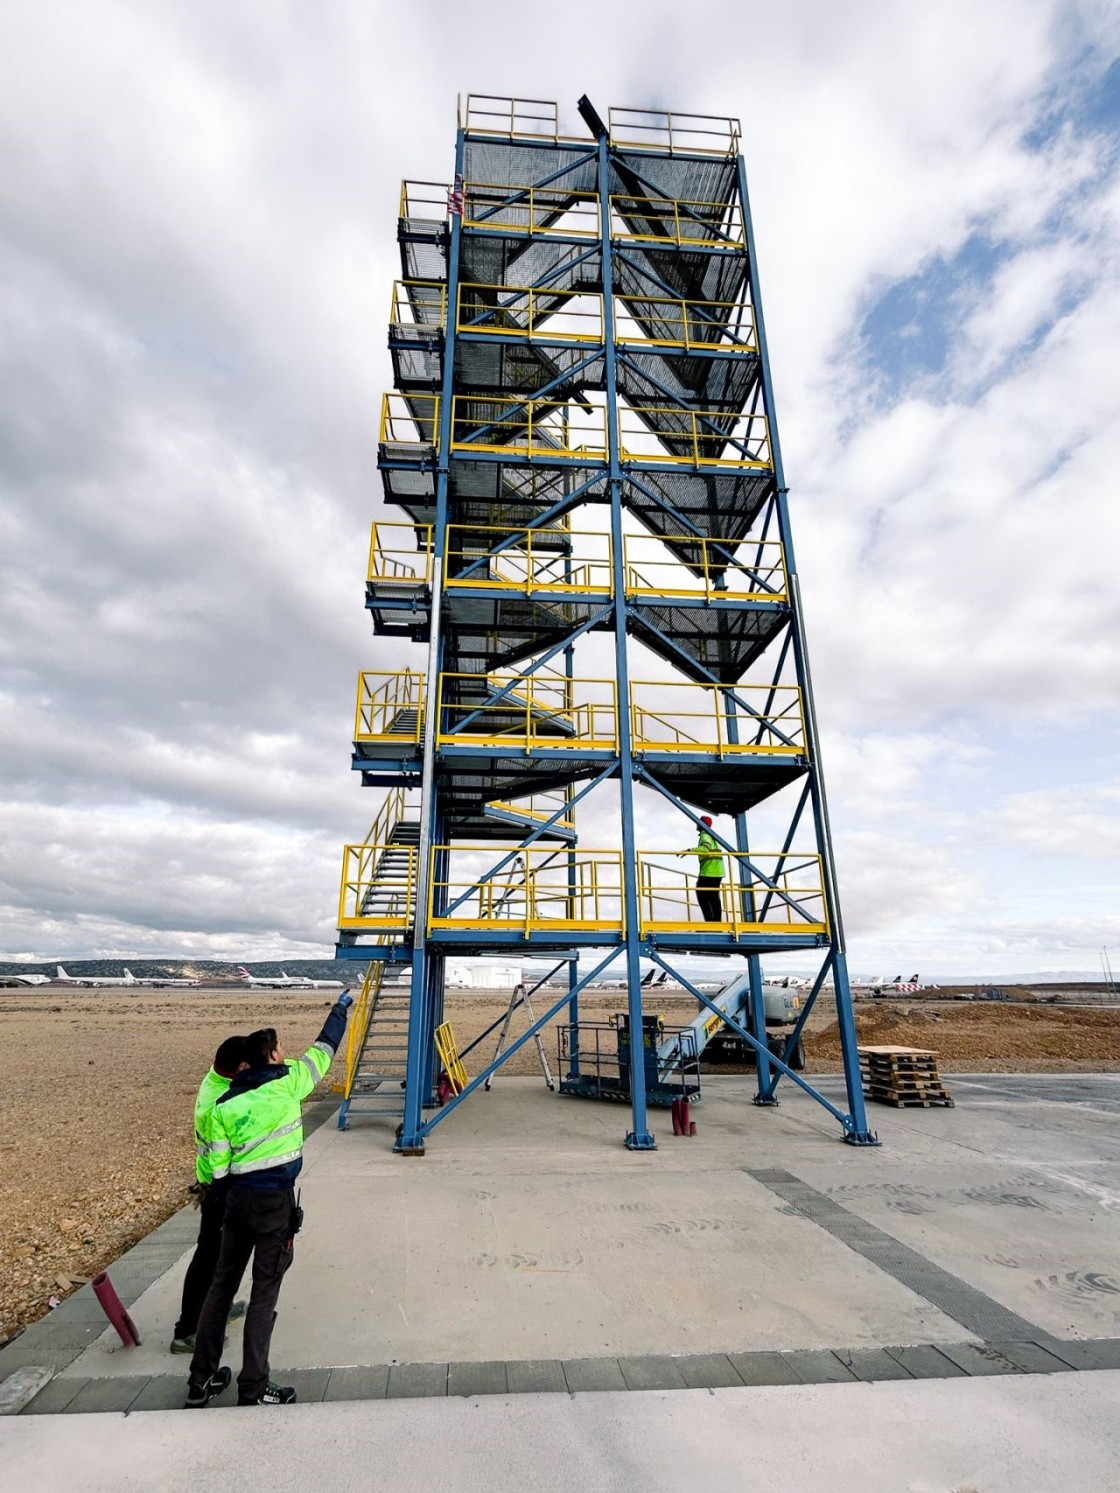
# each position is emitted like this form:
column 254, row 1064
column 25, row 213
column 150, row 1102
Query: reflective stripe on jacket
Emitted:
column 210, row 1090
column 710, row 853
column 261, row 1120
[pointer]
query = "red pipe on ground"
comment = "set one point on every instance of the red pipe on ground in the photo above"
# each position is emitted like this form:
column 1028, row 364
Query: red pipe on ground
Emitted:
column 676, row 1109
column 686, row 1116
column 114, row 1309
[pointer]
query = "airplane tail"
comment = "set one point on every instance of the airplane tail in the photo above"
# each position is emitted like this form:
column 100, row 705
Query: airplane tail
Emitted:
column 129, row 977
column 62, row 975
column 914, row 980
column 243, row 972
column 664, row 977
column 647, row 979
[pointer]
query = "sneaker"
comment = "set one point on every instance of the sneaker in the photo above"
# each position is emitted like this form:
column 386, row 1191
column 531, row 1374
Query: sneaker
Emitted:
column 186, row 1344
column 275, row 1394
column 238, row 1309
column 197, row 1399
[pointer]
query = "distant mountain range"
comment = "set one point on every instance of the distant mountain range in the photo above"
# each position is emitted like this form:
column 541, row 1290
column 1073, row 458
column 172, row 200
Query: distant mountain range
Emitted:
column 192, row 969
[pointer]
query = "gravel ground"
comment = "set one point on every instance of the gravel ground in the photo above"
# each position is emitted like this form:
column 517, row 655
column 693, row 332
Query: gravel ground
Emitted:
column 96, row 1106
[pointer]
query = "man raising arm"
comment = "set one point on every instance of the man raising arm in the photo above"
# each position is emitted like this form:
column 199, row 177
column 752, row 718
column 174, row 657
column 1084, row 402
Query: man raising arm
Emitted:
column 259, row 1121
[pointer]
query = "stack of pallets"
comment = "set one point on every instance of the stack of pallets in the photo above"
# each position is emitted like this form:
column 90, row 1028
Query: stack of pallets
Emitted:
column 902, row 1076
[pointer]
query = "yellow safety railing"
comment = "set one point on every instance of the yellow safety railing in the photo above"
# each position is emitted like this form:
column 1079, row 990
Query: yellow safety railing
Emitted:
column 509, row 118
column 390, row 706
column 357, row 1027
column 401, row 553
column 531, row 894
column 756, row 570
column 686, row 717
column 539, row 807
column 526, row 560
column 678, row 133
column 535, row 711
column 660, row 321
column 448, row 1049
column 668, row 220
column 424, row 201
column 528, row 427
column 525, row 311
column 759, row 893
column 388, row 816
column 556, row 209
column 746, row 444
column 378, row 892
column 409, row 419
column 418, row 303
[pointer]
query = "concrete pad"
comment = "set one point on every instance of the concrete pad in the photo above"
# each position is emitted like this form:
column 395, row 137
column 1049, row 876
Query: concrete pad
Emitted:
column 763, row 1368
column 477, row 1379
column 927, row 1362
column 873, row 1365
column 536, row 1376
column 21, row 1387
column 819, row 1367
column 358, row 1383
column 651, row 1373
column 1032, row 1358
column 593, row 1375
column 1015, row 1190
column 416, row 1381
column 708, row 1371
column 528, row 1234
column 1006, row 1435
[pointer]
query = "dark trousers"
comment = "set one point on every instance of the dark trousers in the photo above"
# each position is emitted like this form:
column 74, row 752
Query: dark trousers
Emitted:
column 200, row 1271
column 256, row 1224
column 707, row 894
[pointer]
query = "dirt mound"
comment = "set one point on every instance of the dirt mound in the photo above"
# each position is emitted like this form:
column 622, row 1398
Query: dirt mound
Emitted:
column 983, row 1034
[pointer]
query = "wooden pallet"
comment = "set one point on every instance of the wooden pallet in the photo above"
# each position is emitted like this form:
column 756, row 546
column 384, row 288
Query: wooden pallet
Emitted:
column 906, row 1077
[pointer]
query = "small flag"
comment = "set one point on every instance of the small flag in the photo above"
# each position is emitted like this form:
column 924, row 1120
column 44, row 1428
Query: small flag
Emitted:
column 455, row 196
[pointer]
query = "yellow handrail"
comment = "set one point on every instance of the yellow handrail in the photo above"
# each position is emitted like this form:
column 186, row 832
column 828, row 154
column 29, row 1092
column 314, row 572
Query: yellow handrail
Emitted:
column 694, row 325
column 536, row 710
column 413, row 303
column 532, row 427
column 395, row 551
column 364, row 871
column 760, row 892
column 528, row 560
column 529, row 311
column 531, row 893
column 405, row 417
column 678, row 133
column 774, row 724
column 730, row 569
column 746, row 444
column 501, row 206
column 358, row 1027
column 390, row 706
column 677, row 220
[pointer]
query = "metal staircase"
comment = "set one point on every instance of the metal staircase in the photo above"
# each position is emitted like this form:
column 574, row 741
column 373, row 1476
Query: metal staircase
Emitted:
column 376, row 1058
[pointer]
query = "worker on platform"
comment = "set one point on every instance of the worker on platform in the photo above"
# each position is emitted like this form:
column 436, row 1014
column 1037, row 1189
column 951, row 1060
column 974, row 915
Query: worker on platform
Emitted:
column 258, row 1144
column 210, row 1195
column 710, row 873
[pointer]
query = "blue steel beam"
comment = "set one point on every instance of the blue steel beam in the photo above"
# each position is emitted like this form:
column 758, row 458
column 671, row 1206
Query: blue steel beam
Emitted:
column 860, row 1134
column 640, row 1138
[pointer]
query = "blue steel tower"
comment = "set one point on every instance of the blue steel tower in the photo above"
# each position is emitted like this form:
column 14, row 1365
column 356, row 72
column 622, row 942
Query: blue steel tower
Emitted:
column 590, row 544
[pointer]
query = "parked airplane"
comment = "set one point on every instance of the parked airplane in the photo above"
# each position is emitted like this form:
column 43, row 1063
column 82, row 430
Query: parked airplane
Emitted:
column 25, row 979
column 300, row 983
column 156, row 981
column 88, row 979
column 267, row 982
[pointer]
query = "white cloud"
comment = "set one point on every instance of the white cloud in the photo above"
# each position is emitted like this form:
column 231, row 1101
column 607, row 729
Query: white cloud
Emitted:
column 197, row 258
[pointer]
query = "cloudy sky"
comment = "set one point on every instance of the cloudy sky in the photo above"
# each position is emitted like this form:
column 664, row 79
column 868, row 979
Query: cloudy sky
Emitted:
column 197, row 219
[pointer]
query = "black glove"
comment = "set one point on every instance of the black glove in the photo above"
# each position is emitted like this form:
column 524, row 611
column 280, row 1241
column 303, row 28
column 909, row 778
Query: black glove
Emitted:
column 345, row 1000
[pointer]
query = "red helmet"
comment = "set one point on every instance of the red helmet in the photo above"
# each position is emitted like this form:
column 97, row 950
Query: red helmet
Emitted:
column 705, row 819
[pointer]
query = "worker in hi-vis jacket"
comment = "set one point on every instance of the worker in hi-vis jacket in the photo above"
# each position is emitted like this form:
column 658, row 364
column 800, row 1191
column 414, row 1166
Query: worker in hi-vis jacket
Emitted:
column 710, row 873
